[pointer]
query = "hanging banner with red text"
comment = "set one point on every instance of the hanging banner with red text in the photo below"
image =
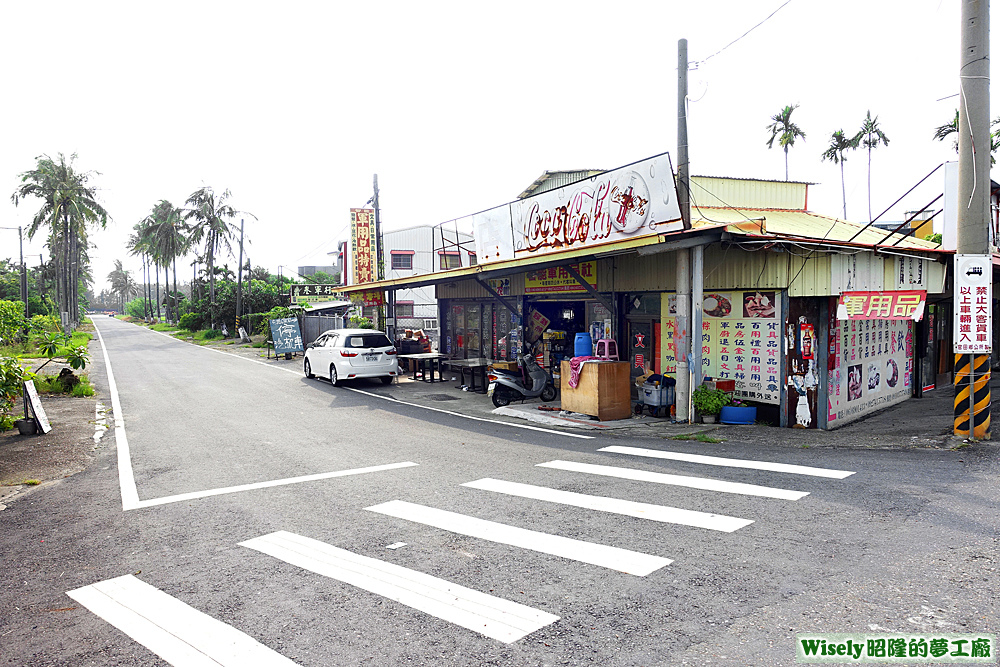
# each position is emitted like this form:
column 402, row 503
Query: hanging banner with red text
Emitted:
column 901, row 305
column 973, row 332
column 363, row 245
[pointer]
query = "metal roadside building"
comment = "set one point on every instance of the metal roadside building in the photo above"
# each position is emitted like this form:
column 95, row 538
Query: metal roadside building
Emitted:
column 819, row 321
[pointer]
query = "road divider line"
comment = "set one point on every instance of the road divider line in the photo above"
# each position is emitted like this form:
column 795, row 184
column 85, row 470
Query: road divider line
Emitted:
column 126, row 477
column 276, row 482
column 622, row 560
column 178, row 633
column 702, row 483
column 661, row 513
column 729, row 463
column 493, row 617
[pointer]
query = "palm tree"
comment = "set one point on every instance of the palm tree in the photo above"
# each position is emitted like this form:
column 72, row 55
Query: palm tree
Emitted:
column 835, row 153
column 785, row 131
column 870, row 136
column 69, row 205
column 942, row 132
column 167, row 241
column 122, row 285
column 213, row 221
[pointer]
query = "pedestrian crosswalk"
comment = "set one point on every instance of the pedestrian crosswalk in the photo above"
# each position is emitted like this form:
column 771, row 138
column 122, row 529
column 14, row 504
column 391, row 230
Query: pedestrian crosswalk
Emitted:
column 184, row 636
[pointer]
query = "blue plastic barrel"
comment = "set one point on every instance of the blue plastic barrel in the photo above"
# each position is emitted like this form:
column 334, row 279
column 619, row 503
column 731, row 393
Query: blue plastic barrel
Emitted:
column 583, row 346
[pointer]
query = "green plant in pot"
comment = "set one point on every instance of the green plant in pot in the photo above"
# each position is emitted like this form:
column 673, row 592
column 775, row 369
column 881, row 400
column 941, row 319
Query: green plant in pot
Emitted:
column 709, row 402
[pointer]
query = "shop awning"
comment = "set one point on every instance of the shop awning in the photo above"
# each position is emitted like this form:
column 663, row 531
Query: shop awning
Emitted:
column 705, row 234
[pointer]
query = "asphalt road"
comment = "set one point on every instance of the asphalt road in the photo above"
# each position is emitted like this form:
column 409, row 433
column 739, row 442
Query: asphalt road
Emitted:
column 101, row 571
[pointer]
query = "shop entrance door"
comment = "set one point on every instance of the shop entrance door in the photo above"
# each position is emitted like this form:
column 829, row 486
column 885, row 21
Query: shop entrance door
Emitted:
column 642, row 347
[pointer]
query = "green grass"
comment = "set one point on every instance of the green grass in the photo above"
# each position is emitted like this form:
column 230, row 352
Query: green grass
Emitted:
column 700, row 437
column 50, row 384
column 31, row 482
column 164, row 327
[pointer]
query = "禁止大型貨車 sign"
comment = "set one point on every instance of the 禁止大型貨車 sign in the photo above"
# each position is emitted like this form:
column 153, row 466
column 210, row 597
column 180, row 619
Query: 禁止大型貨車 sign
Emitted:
column 973, row 307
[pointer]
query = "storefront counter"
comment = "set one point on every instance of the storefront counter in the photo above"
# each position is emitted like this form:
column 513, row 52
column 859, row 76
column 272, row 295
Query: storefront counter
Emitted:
column 603, row 390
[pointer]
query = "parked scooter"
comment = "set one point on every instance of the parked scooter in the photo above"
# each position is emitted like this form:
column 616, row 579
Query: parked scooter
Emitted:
column 530, row 381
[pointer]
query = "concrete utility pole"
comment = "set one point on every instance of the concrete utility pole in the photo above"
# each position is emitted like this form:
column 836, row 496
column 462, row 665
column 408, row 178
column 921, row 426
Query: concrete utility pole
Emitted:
column 972, row 371
column 239, row 286
column 682, row 331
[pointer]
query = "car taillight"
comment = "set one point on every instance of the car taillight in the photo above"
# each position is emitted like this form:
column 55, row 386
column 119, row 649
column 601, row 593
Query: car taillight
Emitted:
column 493, row 378
column 392, row 351
column 348, row 354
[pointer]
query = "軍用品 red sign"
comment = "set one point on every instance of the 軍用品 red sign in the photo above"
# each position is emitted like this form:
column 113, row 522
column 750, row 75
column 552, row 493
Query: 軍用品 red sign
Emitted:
column 902, row 305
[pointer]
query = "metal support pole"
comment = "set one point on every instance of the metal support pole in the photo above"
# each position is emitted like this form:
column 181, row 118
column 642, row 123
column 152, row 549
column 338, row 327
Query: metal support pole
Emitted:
column 682, row 331
column 973, row 201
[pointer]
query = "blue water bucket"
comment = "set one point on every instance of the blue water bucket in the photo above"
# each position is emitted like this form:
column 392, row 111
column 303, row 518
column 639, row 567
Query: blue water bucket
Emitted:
column 738, row 415
column 583, row 345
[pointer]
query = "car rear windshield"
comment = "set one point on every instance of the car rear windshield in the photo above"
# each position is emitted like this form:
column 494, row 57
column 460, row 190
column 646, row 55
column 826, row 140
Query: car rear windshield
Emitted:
column 367, row 340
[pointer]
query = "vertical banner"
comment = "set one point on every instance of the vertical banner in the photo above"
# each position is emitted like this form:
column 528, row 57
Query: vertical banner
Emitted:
column 973, row 311
column 363, row 245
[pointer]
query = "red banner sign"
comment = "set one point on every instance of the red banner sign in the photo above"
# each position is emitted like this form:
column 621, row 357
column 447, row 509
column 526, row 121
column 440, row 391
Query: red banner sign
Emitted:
column 903, row 305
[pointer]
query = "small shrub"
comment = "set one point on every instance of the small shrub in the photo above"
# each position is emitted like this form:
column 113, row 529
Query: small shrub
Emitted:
column 709, row 401
column 212, row 334
column 83, row 389
column 191, row 321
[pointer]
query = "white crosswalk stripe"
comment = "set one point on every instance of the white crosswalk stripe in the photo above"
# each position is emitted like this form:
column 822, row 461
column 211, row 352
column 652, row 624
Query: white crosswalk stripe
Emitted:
column 178, row 633
column 623, row 560
column 676, row 480
column 729, row 463
column 493, row 617
column 660, row 513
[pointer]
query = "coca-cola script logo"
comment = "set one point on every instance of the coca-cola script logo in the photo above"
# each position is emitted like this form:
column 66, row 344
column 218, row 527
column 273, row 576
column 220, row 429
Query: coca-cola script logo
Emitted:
column 618, row 203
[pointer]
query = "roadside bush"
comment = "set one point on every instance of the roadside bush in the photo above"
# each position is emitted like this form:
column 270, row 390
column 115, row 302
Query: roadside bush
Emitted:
column 192, row 321
column 360, row 323
column 11, row 321
column 263, row 327
column 11, row 383
column 45, row 324
column 212, row 334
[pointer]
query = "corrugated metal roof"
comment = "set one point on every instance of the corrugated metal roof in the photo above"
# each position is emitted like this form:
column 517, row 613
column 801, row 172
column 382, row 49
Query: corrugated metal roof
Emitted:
column 802, row 225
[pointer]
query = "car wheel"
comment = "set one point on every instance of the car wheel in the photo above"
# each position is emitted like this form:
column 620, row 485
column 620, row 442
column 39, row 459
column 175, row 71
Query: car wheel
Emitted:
column 333, row 375
column 501, row 398
column 387, row 380
column 307, row 369
column 548, row 394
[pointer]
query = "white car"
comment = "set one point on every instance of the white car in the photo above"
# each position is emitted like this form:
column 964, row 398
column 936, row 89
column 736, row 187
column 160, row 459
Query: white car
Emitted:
column 345, row 354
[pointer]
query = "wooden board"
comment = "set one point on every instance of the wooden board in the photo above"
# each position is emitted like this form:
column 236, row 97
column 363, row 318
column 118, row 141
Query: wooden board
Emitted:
column 603, row 390
column 36, row 406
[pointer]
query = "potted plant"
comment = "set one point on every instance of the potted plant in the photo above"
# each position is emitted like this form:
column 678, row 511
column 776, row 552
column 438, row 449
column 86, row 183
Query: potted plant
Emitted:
column 738, row 412
column 709, row 402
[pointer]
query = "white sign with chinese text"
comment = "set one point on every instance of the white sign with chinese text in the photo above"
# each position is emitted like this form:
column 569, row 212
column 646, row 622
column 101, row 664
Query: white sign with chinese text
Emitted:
column 973, row 307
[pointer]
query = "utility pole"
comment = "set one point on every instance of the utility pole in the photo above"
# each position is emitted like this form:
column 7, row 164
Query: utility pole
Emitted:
column 682, row 331
column 379, row 262
column 239, row 286
column 972, row 370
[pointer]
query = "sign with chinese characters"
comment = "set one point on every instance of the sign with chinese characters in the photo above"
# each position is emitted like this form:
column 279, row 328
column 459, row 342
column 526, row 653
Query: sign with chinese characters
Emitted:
column 973, row 308
column 535, row 325
column 902, row 305
column 558, row 279
column 314, row 293
column 631, row 202
column 740, row 340
column 500, row 285
column 286, row 335
column 363, row 245
column 871, row 367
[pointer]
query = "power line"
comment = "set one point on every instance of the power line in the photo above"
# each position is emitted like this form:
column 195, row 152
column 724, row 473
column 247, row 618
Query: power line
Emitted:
column 695, row 64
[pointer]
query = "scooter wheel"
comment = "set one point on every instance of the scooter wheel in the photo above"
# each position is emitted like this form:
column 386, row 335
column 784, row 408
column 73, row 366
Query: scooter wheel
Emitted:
column 501, row 398
column 548, row 394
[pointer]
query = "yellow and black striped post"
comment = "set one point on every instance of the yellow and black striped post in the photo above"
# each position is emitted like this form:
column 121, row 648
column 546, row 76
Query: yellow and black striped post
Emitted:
column 972, row 396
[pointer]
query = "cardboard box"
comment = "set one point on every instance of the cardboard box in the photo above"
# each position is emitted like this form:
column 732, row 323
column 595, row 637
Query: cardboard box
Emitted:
column 603, row 390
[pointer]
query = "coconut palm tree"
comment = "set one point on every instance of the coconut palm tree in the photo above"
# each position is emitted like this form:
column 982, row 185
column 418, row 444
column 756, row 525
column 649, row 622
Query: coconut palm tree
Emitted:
column 69, row 205
column 122, row 285
column 213, row 222
column 870, row 136
column 942, row 132
column 785, row 131
column 167, row 239
column 835, row 153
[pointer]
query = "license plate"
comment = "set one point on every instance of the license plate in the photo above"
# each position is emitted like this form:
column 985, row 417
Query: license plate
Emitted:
column 493, row 385
column 371, row 357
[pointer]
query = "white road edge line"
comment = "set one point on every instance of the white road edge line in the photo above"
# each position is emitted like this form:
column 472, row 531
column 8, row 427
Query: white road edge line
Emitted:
column 702, row 483
column 394, row 400
column 493, row 617
column 126, row 478
column 661, row 513
column 277, row 482
column 730, row 463
column 178, row 633
column 614, row 558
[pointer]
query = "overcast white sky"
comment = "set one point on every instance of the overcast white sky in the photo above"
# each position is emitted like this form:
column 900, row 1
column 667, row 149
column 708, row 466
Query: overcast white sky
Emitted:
column 457, row 106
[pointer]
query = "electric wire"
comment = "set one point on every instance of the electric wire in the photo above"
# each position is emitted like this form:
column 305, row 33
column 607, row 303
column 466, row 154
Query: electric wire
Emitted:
column 696, row 63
